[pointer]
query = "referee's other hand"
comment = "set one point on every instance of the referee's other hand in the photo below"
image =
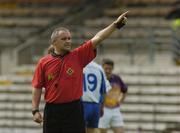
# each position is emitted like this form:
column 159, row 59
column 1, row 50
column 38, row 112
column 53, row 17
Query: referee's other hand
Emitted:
column 37, row 117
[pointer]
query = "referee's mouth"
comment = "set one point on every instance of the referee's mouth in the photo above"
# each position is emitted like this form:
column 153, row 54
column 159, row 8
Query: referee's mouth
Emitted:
column 68, row 46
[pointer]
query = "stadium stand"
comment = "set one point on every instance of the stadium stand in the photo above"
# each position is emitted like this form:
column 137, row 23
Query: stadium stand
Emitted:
column 172, row 128
column 144, row 37
column 15, row 102
column 148, row 18
column 22, row 24
column 146, row 2
column 153, row 98
column 152, row 101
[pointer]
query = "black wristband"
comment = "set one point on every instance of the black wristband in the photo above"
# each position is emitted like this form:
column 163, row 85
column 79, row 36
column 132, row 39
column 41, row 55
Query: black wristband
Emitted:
column 119, row 25
column 35, row 111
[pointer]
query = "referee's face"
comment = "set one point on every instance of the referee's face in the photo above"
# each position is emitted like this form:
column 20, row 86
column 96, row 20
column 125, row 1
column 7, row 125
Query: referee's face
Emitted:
column 108, row 70
column 63, row 42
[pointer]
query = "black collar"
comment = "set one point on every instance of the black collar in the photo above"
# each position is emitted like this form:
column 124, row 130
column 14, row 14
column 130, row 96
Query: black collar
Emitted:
column 58, row 55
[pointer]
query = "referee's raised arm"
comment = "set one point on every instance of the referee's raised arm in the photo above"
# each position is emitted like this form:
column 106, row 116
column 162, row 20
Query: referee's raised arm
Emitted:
column 106, row 32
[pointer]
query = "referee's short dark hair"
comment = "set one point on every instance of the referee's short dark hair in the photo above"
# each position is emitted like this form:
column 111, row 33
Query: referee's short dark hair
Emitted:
column 108, row 62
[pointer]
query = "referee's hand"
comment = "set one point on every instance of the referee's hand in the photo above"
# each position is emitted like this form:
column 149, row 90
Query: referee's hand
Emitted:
column 121, row 20
column 37, row 117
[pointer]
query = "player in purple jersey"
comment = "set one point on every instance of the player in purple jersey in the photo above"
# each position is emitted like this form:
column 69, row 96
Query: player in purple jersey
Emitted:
column 112, row 117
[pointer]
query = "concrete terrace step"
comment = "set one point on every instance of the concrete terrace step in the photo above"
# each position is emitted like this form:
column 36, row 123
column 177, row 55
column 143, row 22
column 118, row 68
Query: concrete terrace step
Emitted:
column 132, row 22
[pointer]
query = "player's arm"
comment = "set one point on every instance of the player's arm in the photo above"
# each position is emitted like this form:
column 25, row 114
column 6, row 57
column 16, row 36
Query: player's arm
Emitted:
column 106, row 32
column 122, row 97
column 102, row 105
column 36, row 97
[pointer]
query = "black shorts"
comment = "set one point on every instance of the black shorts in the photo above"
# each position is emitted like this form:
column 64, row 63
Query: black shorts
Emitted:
column 64, row 118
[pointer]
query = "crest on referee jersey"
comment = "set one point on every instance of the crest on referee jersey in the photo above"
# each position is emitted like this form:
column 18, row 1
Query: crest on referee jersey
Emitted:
column 70, row 71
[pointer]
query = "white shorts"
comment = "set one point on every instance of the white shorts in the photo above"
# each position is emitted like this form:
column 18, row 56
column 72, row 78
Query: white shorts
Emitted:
column 111, row 118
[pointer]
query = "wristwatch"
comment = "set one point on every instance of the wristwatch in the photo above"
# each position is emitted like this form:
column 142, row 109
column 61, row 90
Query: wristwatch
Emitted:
column 34, row 111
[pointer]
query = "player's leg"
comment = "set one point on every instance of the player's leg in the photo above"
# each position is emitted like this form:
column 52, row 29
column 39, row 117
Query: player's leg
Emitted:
column 103, row 130
column 104, row 121
column 92, row 124
column 117, row 121
column 118, row 129
column 91, row 130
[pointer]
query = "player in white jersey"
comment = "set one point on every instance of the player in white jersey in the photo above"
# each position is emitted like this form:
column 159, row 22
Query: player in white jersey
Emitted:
column 95, row 85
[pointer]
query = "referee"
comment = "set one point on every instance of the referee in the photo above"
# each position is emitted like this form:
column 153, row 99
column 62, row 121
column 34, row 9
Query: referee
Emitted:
column 60, row 73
